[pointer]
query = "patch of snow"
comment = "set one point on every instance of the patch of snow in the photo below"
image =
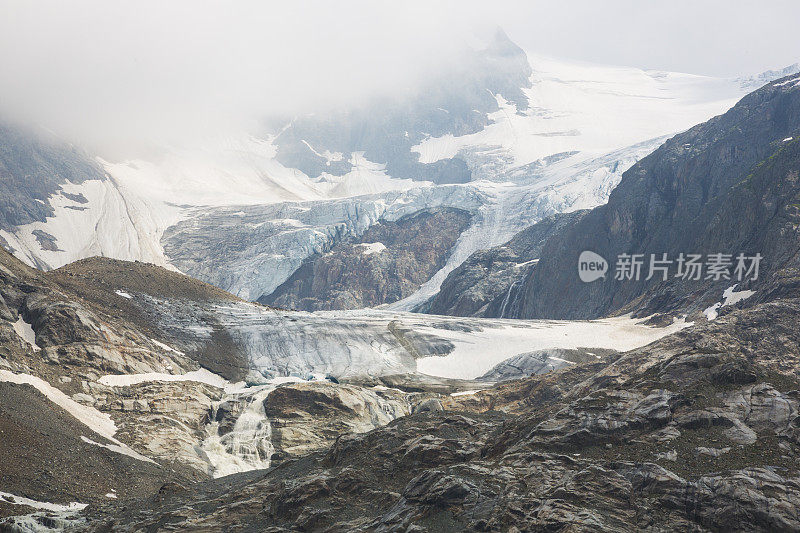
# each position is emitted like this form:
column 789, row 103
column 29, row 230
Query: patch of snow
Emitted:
column 787, row 82
column 25, row 331
column 329, row 156
column 279, row 380
column 465, row 393
column 730, row 297
column 787, row 139
column 733, row 297
column 111, row 496
column 372, row 248
column 166, row 347
column 46, row 506
column 712, row 312
column 477, row 352
column 120, row 449
column 123, row 294
column 200, row 376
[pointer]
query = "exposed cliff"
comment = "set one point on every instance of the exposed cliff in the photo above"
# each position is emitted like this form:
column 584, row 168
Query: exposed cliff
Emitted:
column 727, row 186
column 385, row 264
column 488, row 282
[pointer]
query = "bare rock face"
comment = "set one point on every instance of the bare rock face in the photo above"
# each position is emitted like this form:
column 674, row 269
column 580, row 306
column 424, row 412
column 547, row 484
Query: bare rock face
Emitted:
column 543, row 361
column 65, row 436
column 387, row 263
column 106, row 286
column 729, row 185
column 696, row 432
column 308, row 417
column 488, row 283
column 165, row 420
column 75, row 426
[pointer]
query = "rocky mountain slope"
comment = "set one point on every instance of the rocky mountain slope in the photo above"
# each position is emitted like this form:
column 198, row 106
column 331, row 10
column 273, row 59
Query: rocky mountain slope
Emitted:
column 695, row 432
column 95, row 409
column 487, row 283
column 726, row 186
column 123, row 379
column 57, row 445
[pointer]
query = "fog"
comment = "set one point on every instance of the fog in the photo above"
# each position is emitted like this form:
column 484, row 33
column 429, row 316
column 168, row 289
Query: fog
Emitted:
column 116, row 75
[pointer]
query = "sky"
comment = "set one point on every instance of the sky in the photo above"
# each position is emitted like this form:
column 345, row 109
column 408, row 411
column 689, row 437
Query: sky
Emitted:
column 708, row 37
column 112, row 73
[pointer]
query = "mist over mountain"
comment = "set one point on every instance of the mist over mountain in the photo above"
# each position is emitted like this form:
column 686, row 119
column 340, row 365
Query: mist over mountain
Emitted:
column 362, row 266
column 507, row 138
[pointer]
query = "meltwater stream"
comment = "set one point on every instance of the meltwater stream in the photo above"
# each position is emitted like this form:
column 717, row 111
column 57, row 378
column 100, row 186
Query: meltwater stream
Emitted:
column 248, row 446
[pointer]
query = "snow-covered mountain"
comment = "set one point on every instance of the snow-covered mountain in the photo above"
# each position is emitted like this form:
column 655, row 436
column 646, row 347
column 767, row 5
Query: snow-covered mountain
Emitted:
column 506, row 136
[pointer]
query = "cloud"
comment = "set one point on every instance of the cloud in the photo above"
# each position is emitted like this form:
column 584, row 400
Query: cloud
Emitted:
column 113, row 71
column 114, row 74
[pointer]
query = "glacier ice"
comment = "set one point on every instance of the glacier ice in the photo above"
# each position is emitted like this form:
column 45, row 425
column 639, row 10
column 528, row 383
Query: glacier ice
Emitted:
column 228, row 212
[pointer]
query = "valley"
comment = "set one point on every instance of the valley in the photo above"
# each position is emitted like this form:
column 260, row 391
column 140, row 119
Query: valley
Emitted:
column 371, row 316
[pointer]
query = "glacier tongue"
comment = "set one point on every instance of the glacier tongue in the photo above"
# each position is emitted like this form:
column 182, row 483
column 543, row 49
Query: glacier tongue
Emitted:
column 373, row 343
column 528, row 195
column 263, row 245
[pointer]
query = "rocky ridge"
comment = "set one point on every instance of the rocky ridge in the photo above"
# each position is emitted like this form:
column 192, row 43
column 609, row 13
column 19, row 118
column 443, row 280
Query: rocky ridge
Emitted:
column 95, row 408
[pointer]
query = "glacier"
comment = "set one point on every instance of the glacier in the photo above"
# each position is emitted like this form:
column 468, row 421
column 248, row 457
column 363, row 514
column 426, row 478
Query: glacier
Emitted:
column 373, row 343
column 229, row 211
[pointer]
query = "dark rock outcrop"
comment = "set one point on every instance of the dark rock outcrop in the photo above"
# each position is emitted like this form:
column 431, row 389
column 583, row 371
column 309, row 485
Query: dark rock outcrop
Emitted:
column 488, row 283
column 696, row 432
column 33, row 166
column 387, row 263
